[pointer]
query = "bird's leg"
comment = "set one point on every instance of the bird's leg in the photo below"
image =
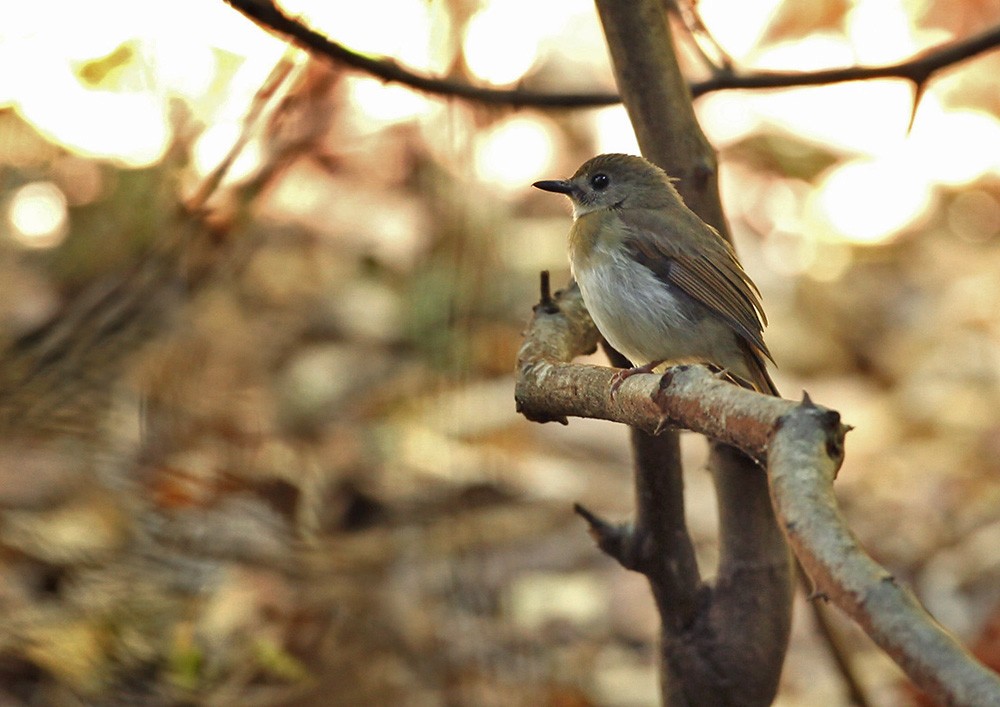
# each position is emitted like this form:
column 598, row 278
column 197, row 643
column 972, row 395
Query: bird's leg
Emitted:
column 622, row 373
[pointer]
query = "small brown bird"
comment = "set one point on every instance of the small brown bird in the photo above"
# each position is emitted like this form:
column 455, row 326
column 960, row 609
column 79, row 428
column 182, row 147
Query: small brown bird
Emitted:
column 662, row 286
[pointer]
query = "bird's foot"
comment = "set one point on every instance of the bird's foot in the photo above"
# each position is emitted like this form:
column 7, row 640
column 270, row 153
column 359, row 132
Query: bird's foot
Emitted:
column 623, row 373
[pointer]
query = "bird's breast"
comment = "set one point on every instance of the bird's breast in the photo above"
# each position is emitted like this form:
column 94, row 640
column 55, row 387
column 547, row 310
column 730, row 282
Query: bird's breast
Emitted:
column 644, row 317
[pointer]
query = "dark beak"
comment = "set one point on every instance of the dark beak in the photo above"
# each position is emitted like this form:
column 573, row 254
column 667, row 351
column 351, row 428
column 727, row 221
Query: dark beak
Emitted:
column 559, row 186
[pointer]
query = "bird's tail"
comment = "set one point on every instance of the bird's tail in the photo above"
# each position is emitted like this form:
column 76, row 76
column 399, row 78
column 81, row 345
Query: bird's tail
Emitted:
column 760, row 378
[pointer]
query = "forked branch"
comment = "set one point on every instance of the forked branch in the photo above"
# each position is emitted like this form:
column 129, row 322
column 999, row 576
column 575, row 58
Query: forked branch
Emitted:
column 802, row 446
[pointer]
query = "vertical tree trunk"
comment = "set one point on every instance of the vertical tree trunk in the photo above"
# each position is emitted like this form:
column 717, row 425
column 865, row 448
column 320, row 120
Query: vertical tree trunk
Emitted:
column 727, row 648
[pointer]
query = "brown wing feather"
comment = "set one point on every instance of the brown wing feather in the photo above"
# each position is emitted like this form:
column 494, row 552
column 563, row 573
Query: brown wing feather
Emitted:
column 710, row 272
column 758, row 368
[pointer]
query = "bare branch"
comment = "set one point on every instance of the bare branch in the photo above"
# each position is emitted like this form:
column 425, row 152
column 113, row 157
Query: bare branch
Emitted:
column 803, row 459
column 918, row 70
column 802, row 446
column 271, row 18
column 281, row 76
column 657, row 544
column 548, row 388
column 704, row 627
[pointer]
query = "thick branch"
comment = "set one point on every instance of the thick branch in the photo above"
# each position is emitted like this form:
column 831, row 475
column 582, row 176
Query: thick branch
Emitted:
column 729, row 651
column 804, row 456
column 706, row 629
column 548, row 388
column 802, row 445
column 916, row 70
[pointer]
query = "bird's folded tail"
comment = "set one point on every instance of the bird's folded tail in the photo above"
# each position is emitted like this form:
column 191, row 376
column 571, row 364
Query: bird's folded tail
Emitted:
column 761, row 379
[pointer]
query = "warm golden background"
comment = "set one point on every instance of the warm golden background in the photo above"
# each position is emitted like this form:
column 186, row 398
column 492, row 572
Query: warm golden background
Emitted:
column 311, row 486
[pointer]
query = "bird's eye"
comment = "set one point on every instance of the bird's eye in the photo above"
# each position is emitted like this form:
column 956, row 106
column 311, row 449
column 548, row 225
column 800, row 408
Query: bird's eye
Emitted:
column 600, row 181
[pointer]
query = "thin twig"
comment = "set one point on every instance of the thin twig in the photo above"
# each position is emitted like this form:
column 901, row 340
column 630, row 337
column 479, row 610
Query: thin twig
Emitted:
column 273, row 19
column 264, row 101
column 918, row 69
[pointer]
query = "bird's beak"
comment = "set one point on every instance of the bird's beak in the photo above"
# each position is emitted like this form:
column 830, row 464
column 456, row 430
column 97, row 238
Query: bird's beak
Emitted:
column 559, row 186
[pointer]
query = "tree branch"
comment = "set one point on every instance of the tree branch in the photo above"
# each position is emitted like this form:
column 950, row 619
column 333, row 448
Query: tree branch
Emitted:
column 804, row 455
column 657, row 544
column 731, row 649
column 271, row 18
column 802, row 445
column 704, row 628
column 918, row 70
column 548, row 388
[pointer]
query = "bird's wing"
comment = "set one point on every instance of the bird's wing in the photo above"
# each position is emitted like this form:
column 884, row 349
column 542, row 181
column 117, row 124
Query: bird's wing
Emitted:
column 710, row 272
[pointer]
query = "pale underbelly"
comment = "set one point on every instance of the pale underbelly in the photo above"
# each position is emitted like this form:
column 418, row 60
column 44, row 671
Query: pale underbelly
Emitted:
column 647, row 320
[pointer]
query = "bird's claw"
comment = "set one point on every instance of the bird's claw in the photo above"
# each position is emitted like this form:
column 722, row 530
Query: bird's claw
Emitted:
column 622, row 374
column 618, row 378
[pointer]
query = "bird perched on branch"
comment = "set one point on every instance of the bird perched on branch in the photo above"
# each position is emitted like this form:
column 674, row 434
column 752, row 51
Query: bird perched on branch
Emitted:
column 662, row 286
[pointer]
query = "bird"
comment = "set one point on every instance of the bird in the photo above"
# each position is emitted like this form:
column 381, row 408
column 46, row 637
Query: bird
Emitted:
column 662, row 286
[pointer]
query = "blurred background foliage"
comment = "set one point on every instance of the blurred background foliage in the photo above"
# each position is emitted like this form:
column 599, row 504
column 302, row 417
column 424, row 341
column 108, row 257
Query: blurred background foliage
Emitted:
column 259, row 440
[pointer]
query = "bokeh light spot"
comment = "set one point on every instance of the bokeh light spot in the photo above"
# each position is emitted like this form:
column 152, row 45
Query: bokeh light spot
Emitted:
column 38, row 214
column 400, row 29
column 497, row 48
column 515, row 153
column 614, row 132
column 381, row 105
column 215, row 143
column 737, row 27
column 869, row 201
column 974, row 216
column 949, row 143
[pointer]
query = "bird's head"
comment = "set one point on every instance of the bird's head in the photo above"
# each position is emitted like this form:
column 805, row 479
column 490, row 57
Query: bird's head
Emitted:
column 614, row 181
